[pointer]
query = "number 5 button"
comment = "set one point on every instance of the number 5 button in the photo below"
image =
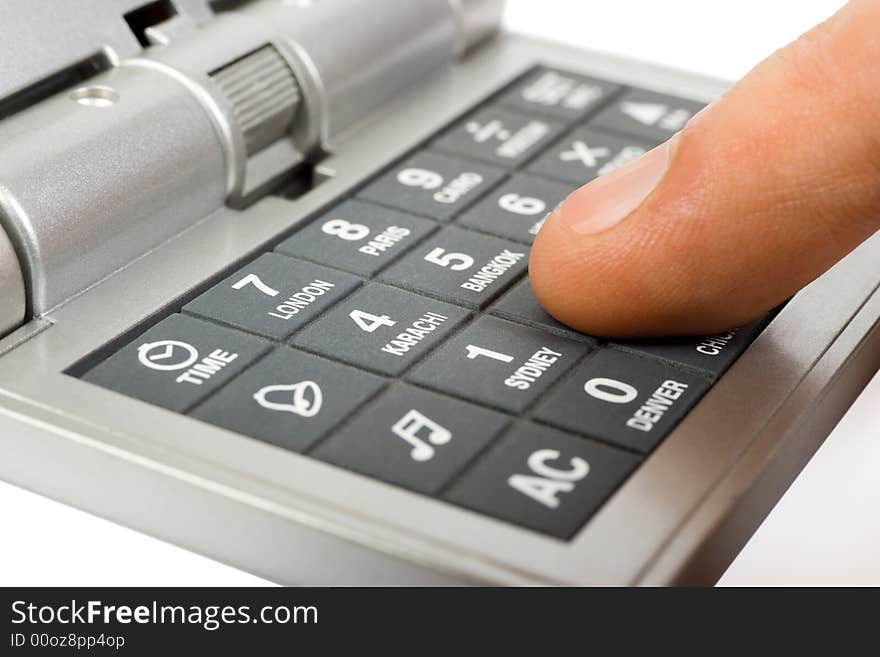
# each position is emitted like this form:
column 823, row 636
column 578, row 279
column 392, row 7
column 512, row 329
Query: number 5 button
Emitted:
column 517, row 209
column 623, row 399
column 461, row 266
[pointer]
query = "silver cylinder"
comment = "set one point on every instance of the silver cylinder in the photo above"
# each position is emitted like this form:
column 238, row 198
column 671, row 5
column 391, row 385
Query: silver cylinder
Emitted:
column 12, row 292
column 91, row 179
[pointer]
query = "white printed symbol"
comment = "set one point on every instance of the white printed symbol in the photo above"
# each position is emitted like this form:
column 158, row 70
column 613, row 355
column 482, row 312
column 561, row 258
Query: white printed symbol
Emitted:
column 645, row 113
column 475, row 352
column 257, row 282
column 167, row 355
column 408, row 428
column 580, row 152
column 305, row 398
column 486, row 131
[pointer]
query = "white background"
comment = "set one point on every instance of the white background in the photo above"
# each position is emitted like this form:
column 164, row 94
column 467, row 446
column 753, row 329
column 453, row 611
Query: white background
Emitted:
column 825, row 530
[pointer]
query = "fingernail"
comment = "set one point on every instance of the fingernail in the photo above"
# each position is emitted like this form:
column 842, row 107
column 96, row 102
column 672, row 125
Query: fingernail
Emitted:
column 608, row 200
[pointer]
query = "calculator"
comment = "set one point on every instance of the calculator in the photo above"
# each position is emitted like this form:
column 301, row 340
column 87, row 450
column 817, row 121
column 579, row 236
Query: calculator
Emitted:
column 265, row 296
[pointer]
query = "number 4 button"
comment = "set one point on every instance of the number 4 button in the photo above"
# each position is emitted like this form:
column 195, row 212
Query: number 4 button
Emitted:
column 381, row 328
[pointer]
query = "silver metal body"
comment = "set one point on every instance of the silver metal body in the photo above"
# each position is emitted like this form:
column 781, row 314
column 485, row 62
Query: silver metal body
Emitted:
column 680, row 519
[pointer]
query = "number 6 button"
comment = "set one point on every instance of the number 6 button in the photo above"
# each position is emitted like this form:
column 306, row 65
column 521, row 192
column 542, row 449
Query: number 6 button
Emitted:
column 623, row 399
column 517, row 209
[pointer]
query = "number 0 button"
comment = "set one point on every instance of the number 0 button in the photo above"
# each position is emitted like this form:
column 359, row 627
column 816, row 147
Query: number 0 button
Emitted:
column 624, row 399
column 543, row 479
column 381, row 328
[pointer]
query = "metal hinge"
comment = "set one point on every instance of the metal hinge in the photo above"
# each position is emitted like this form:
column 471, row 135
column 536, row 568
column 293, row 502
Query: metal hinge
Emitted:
column 123, row 122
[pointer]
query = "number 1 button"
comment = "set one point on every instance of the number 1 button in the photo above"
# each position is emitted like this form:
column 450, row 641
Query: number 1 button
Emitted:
column 498, row 363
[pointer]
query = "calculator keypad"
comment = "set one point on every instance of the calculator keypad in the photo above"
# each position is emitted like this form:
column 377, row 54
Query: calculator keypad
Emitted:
column 395, row 334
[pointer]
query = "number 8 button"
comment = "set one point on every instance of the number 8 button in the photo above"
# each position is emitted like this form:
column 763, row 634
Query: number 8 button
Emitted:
column 623, row 399
column 357, row 237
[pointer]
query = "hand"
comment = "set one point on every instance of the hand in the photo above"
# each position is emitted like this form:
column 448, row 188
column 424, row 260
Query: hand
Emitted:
column 760, row 193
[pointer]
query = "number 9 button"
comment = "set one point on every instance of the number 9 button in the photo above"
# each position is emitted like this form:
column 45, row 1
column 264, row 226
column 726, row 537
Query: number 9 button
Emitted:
column 623, row 399
column 358, row 237
column 433, row 185
column 381, row 328
column 517, row 209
